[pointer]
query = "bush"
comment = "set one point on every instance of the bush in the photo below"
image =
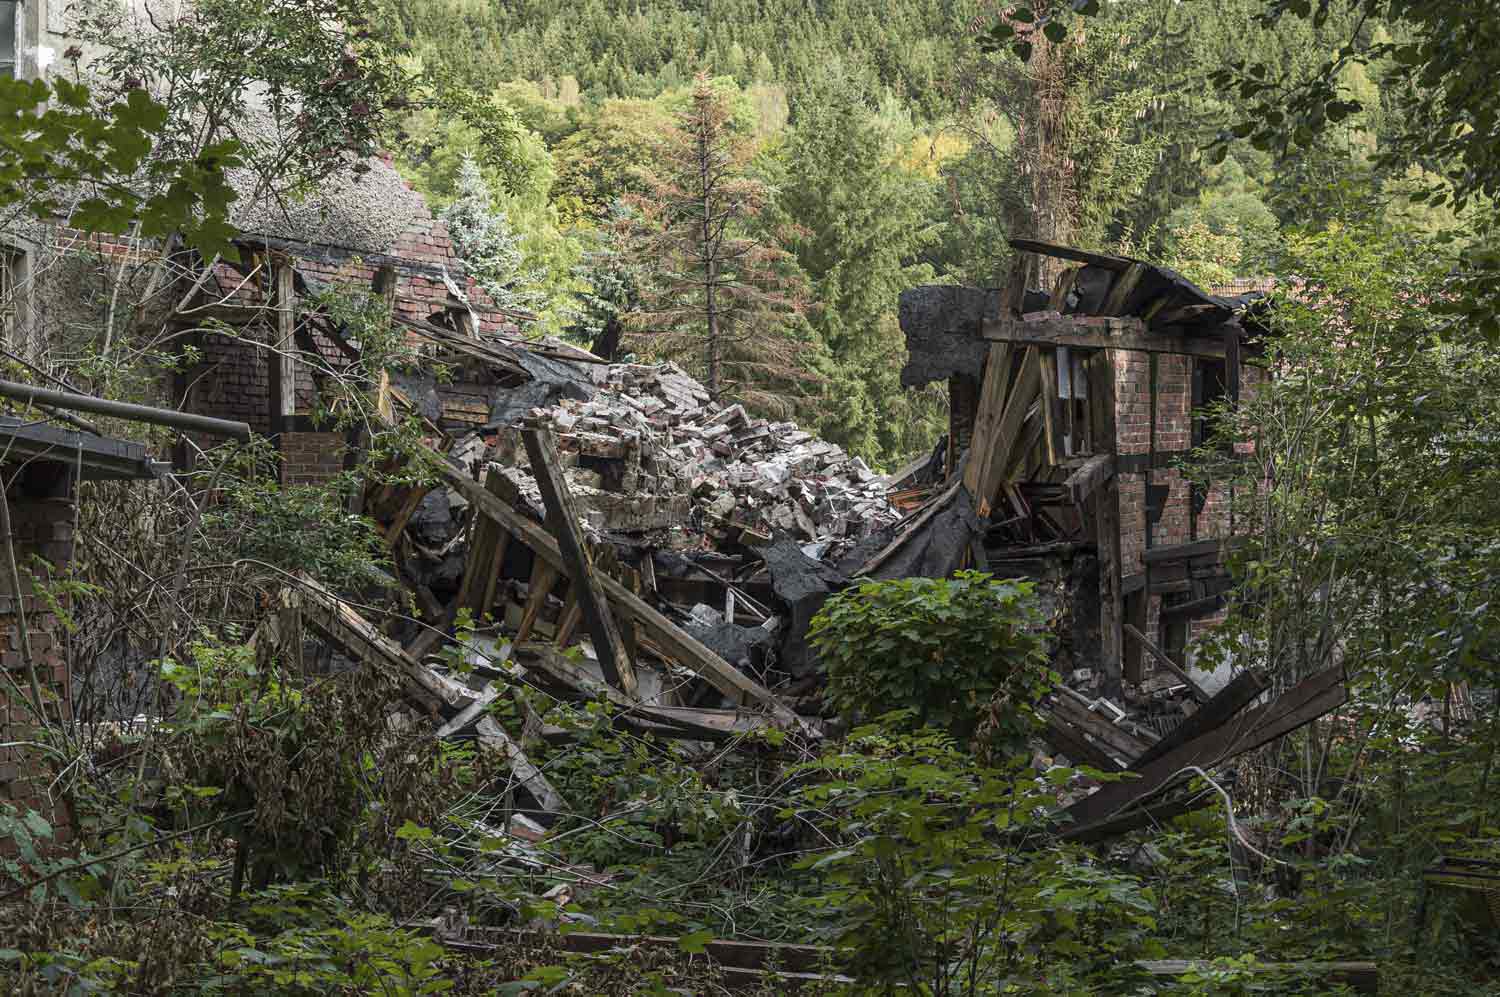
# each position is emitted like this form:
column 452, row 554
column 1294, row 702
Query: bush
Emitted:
column 942, row 648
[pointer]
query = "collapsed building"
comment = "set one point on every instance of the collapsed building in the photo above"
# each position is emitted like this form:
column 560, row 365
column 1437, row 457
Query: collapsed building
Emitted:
column 683, row 546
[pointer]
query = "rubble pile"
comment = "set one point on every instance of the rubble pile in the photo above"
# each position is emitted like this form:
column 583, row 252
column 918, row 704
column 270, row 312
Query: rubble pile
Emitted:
column 649, row 451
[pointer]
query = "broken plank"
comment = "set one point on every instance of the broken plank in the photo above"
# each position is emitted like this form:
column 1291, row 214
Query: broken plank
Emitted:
column 493, row 737
column 1082, row 483
column 1302, row 704
column 986, row 423
column 1070, row 740
column 403, row 516
column 1120, row 290
column 1117, row 740
column 1022, row 394
column 1051, row 409
column 1241, row 691
column 1160, row 657
column 339, row 622
column 468, row 714
column 543, row 577
column 608, row 644
column 676, row 643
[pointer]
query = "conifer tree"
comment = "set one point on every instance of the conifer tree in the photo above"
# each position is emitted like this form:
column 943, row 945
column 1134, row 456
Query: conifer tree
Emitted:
column 719, row 293
column 486, row 242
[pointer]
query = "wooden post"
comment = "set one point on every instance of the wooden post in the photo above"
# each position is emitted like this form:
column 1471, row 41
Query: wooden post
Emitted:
column 614, row 659
column 1106, row 515
column 282, row 362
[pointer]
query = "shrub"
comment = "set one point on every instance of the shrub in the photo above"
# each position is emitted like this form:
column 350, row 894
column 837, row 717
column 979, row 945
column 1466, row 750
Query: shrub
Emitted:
column 941, row 647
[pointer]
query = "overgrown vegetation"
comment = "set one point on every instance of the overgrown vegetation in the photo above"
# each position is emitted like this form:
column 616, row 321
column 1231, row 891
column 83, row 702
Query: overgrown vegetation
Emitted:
column 230, row 810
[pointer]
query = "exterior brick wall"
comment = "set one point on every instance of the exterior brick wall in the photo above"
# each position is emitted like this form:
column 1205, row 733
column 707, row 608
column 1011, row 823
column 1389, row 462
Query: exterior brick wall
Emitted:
column 311, row 458
column 41, row 526
column 1177, row 522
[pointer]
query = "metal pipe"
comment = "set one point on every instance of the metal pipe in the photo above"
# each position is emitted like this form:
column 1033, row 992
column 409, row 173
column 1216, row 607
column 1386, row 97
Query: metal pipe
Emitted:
column 125, row 410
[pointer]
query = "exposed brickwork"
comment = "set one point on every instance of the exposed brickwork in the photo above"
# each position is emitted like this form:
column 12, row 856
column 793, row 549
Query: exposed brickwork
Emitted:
column 1177, row 522
column 41, row 527
column 311, row 458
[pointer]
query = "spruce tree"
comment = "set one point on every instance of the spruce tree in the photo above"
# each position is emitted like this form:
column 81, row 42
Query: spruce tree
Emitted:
column 719, row 294
column 484, row 239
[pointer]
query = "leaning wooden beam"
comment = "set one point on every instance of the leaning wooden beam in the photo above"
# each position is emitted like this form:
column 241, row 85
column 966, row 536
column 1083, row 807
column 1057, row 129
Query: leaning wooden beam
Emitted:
column 493, row 737
column 1098, row 332
column 986, row 422
column 912, row 527
column 1121, row 289
column 1300, row 705
column 608, row 645
column 1241, row 691
column 1022, row 394
column 1161, row 658
column 338, row 621
column 1051, row 408
column 675, row 642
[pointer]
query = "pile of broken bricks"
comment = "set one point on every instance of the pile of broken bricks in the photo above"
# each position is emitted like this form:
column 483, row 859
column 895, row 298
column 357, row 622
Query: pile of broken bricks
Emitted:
column 651, row 453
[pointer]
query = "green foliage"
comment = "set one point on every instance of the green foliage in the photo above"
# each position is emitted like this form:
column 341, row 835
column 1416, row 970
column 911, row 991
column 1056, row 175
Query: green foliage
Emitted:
column 484, row 239
column 68, row 152
column 293, row 528
column 943, row 879
column 858, row 225
column 944, row 647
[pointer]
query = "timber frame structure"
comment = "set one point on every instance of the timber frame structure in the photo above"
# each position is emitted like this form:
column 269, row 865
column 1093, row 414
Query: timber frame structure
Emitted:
column 1069, row 409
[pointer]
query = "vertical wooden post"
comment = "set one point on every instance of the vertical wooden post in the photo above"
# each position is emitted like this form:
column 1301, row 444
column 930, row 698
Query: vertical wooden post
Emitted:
column 282, row 363
column 1106, row 516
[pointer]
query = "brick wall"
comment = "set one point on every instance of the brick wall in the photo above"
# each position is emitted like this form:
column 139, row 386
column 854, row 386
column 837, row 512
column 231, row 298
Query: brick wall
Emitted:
column 311, row 458
column 40, row 501
column 1177, row 521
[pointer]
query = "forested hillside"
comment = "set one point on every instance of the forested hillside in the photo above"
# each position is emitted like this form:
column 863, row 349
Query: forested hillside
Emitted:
column 895, row 151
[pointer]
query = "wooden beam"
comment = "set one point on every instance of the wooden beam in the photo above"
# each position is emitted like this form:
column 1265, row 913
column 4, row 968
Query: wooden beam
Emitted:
column 1022, row 394
column 1194, row 610
column 1184, row 551
column 1102, row 333
column 1070, row 741
column 1143, row 643
column 1105, row 509
column 492, row 737
column 1241, row 691
column 1300, row 705
column 336, row 620
column 281, row 359
column 676, row 643
column 1120, row 742
column 543, row 577
column 1132, row 666
column 1062, row 288
column 1082, row 483
column 1361, row 977
column 1052, row 440
column 608, row 644
column 987, row 418
column 408, row 509
column 1121, row 289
